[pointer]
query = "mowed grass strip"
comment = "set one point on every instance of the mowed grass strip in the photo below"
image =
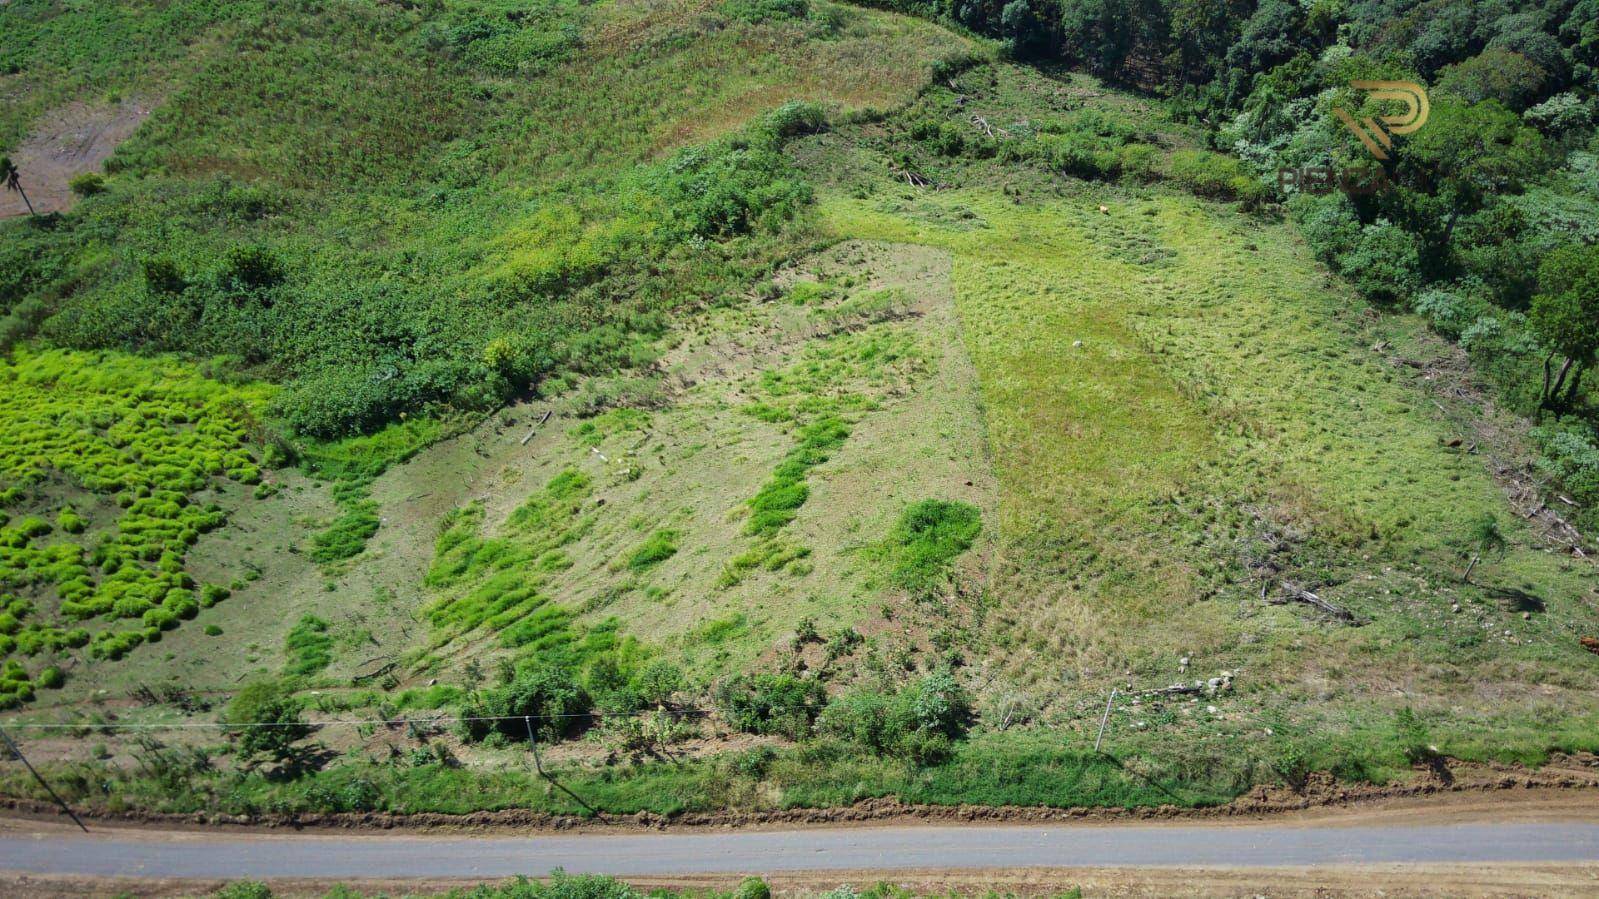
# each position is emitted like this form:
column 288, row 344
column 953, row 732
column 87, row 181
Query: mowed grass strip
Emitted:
column 1148, row 417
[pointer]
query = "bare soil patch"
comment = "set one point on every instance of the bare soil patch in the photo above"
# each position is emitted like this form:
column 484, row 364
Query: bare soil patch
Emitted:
column 67, row 142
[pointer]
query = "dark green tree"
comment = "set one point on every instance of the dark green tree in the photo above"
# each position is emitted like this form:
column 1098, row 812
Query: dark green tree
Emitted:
column 264, row 721
column 1510, row 78
column 1464, row 155
column 1565, row 316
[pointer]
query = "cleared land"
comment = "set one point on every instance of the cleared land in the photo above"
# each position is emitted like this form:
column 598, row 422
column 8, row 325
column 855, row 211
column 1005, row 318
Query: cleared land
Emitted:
column 978, row 416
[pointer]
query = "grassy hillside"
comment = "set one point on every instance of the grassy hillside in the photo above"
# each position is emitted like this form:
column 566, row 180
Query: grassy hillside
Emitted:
column 856, row 450
column 1186, row 414
column 397, row 208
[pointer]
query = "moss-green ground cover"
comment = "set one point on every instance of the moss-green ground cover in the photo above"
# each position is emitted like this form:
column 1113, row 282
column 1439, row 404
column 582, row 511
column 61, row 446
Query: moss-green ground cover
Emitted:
column 136, row 439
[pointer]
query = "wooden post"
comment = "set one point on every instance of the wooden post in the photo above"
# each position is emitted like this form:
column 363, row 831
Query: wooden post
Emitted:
column 537, row 763
column 1104, row 719
column 43, row 783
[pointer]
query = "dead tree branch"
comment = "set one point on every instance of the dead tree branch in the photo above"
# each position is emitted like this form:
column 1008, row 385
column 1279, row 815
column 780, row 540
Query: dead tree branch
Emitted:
column 1292, row 591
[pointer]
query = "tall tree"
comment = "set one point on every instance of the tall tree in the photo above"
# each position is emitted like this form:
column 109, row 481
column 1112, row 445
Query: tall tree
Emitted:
column 1565, row 316
column 8, row 173
column 1466, row 154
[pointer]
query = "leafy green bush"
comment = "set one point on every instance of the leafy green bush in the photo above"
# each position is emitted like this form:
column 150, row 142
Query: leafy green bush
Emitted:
column 309, row 647
column 548, row 697
column 1385, row 265
column 1571, row 454
column 244, row 889
column 919, row 721
column 1382, row 259
column 729, row 188
column 560, row 885
column 356, row 794
column 86, row 184
column 250, row 268
column 657, row 681
column 617, row 684
column 162, row 276
column 752, row 888
column 264, row 721
column 771, row 703
column 1451, row 312
column 795, row 118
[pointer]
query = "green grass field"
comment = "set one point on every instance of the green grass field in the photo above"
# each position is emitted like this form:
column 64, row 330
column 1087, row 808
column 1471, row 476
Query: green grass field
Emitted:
column 559, row 362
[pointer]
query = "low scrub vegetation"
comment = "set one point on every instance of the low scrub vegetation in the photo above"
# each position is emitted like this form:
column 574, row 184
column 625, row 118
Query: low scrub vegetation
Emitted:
column 918, row 721
column 928, row 536
column 559, row 253
column 309, row 647
column 561, row 885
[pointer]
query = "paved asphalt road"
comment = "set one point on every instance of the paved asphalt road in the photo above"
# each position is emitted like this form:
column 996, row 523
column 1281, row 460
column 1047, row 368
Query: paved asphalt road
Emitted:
column 205, row 855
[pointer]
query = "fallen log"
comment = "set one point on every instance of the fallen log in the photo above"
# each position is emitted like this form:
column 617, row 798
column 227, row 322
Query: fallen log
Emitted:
column 374, row 675
column 1211, row 687
column 536, row 427
column 1297, row 593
